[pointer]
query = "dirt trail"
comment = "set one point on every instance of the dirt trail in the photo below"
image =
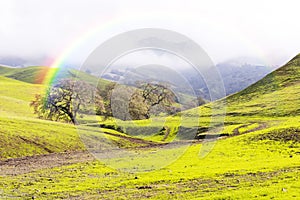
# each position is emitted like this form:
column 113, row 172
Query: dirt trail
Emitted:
column 28, row 164
column 134, row 140
column 36, row 144
column 23, row 165
column 236, row 131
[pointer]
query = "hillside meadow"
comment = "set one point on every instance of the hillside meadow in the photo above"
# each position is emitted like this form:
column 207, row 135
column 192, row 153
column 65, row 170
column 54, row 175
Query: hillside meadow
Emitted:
column 258, row 155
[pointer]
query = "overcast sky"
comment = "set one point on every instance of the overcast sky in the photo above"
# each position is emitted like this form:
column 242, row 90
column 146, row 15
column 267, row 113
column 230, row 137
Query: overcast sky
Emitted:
column 266, row 30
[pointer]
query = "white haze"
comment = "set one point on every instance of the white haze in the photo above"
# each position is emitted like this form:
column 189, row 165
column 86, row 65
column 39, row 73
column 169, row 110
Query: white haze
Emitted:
column 265, row 29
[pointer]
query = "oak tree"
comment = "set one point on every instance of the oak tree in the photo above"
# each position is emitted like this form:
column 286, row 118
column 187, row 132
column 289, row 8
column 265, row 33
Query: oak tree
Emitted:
column 65, row 99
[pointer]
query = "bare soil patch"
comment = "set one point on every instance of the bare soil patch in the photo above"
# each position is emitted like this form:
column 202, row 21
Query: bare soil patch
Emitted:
column 28, row 164
column 281, row 135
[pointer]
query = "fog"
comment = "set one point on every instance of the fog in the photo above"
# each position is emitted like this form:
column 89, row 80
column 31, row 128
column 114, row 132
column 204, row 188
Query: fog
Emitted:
column 44, row 30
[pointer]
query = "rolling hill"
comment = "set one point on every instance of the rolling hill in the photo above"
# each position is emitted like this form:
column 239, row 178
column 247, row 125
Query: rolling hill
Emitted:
column 257, row 158
column 277, row 94
column 286, row 76
column 35, row 74
column 236, row 75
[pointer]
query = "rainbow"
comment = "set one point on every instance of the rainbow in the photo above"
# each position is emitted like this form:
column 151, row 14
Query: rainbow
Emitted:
column 48, row 75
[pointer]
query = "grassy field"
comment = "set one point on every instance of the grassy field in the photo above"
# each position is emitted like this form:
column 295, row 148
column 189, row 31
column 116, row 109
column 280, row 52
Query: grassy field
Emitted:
column 36, row 75
column 258, row 158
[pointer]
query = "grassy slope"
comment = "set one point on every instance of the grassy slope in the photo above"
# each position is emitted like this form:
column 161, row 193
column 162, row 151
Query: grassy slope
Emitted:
column 35, row 74
column 21, row 133
column 240, row 167
column 15, row 96
column 28, row 74
column 277, row 95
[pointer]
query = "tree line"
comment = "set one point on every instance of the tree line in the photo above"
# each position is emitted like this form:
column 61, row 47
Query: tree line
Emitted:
column 68, row 98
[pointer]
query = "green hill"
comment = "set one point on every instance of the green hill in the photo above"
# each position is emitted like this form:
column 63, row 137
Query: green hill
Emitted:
column 283, row 77
column 28, row 74
column 21, row 133
column 35, row 74
column 276, row 95
column 15, row 97
column 259, row 156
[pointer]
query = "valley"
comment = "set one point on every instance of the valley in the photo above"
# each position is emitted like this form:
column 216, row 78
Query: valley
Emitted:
column 248, row 147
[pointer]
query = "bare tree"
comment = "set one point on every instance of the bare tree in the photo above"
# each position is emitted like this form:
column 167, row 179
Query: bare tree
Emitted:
column 104, row 108
column 148, row 96
column 127, row 102
column 64, row 100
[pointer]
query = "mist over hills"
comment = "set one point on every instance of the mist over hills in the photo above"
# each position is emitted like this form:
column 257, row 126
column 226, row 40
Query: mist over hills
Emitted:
column 260, row 135
column 236, row 76
column 19, row 61
column 285, row 77
column 149, row 100
column 274, row 96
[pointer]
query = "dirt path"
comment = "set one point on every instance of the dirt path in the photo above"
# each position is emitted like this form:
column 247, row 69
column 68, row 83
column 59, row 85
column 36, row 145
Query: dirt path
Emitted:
column 28, row 164
column 145, row 143
column 32, row 163
column 36, row 144
column 134, row 140
column 260, row 127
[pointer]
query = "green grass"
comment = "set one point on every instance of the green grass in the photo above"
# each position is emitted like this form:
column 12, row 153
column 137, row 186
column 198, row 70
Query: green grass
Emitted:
column 262, row 161
column 25, row 137
column 243, row 171
column 36, row 74
column 15, row 97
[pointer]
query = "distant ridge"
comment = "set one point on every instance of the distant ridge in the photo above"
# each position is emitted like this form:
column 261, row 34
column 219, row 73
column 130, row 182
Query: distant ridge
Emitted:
column 285, row 76
column 34, row 74
column 275, row 95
